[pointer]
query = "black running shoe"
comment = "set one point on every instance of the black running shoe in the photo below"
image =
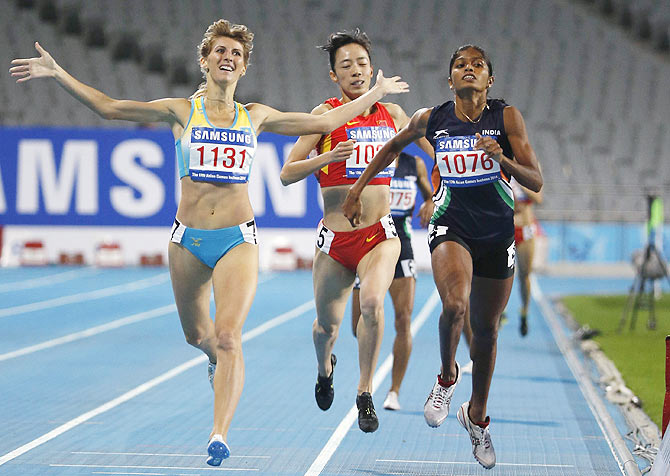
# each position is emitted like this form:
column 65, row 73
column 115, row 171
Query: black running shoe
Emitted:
column 367, row 418
column 324, row 391
column 523, row 328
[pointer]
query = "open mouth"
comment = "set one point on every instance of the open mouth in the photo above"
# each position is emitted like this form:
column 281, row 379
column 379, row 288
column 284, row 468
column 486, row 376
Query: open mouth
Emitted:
column 226, row 67
column 468, row 77
column 360, row 82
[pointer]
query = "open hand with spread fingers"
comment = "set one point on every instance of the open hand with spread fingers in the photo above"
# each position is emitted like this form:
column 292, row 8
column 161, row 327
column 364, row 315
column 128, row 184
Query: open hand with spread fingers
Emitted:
column 392, row 85
column 25, row 69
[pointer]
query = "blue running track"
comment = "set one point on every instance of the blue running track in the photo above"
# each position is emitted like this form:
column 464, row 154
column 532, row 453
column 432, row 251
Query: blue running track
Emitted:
column 97, row 379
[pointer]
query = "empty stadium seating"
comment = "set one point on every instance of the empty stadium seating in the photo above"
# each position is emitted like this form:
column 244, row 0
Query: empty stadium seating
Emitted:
column 590, row 76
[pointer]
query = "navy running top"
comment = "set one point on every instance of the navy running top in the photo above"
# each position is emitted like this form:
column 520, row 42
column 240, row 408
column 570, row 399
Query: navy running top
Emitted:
column 474, row 198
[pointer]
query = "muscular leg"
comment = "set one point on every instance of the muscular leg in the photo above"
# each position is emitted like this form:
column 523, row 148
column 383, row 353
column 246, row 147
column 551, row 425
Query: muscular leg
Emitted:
column 402, row 294
column 487, row 301
column 234, row 278
column 191, row 284
column 376, row 273
column 332, row 285
column 452, row 272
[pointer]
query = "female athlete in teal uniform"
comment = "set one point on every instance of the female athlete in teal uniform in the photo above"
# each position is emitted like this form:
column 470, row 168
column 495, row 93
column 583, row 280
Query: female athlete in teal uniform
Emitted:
column 213, row 240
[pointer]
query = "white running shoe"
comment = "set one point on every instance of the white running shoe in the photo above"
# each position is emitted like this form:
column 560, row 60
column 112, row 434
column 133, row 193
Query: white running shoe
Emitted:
column 436, row 408
column 467, row 368
column 482, row 446
column 218, row 450
column 211, row 369
column 391, row 402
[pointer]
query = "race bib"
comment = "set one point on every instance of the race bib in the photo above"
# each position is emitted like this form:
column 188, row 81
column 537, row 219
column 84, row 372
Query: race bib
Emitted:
column 368, row 141
column 221, row 155
column 461, row 165
column 403, row 195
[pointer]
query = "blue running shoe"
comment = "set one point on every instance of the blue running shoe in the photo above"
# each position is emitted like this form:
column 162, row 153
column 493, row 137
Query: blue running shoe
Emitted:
column 218, row 450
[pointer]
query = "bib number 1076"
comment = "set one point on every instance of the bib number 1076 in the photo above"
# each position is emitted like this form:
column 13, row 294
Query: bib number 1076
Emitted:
column 460, row 163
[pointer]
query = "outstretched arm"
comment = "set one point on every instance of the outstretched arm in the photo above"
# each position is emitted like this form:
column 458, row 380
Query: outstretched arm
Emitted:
column 299, row 123
column 161, row 110
column 416, row 128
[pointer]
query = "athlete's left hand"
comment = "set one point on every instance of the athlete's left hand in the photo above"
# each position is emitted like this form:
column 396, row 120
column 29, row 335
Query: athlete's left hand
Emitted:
column 490, row 147
column 426, row 212
column 352, row 208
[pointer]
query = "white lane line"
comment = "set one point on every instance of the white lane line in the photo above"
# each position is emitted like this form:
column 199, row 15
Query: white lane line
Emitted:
column 124, row 321
column 46, row 280
column 199, row 468
column 498, row 463
column 342, row 429
column 292, row 314
column 176, row 455
column 615, row 441
column 142, row 316
column 87, row 296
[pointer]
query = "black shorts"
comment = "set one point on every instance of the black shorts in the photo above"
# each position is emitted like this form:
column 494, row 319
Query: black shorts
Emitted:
column 489, row 259
column 405, row 268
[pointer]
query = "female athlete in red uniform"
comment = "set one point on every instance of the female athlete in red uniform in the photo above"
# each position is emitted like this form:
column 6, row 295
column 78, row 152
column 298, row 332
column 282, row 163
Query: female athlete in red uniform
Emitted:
column 371, row 249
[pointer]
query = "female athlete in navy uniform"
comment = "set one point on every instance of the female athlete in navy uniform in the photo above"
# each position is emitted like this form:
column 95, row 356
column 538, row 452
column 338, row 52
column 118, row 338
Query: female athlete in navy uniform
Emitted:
column 342, row 250
column 213, row 240
column 410, row 175
column 479, row 143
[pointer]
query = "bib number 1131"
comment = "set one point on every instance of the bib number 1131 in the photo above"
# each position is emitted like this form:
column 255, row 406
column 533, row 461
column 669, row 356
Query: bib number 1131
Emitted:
column 227, row 158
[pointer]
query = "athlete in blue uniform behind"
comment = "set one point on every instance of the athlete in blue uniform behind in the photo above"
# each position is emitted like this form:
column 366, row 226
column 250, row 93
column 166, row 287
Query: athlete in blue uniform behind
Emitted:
column 479, row 143
column 213, row 239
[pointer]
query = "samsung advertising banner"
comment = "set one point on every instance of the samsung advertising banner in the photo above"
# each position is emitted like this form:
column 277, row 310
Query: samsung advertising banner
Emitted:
column 127, row 177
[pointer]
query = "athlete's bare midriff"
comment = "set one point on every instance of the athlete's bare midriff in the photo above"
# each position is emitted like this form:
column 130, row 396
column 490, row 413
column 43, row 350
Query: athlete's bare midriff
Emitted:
column 210, row 206
column 375, row 199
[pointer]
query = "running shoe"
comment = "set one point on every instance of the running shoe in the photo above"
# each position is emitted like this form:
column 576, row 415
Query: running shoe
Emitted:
column 482, row 447
column 211, row 369
column 218, row 450
column 324, row 392
column 436, row 408
column 467, row 368
column 367, row 418
column 391, row 402
column 523, row 327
